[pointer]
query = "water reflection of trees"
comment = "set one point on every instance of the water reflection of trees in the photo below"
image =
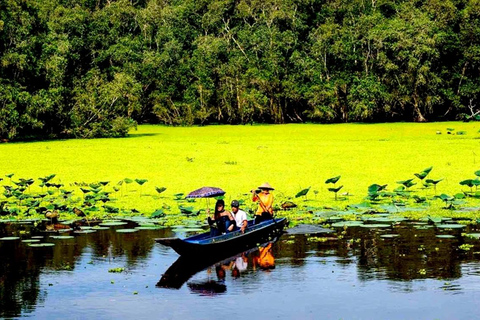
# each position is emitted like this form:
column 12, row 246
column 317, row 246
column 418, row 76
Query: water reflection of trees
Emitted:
column 21, row 266
column 414, row 254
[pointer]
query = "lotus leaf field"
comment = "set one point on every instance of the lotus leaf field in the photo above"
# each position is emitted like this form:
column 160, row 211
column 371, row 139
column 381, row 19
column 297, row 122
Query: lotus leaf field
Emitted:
column 340, row 174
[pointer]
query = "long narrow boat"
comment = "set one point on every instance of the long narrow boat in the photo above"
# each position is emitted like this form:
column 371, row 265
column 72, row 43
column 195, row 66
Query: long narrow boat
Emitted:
column 204, row 245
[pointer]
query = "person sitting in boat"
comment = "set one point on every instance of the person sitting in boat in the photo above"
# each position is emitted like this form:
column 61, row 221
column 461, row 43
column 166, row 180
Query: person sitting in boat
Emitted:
column 223, row 220
column 239, row 215
column 265, row 202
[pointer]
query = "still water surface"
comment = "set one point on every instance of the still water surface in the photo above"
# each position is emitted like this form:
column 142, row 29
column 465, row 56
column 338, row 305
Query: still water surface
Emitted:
column 354, row 275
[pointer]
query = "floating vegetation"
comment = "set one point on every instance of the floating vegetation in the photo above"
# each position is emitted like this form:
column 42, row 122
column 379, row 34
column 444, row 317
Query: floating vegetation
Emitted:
column 376, row 225
column 450, row 226
column 62, row 237
column 473, row 235
column 116, row 270
column 149, row 227
column 85, row 231
column 445, row 236
column 100, row 228
column 126, row 230
column 389, row 236
column 30, row 240
column 41, row 245
column 465, row 247
column 112, row 224
column 342, row 224
column 9, row 238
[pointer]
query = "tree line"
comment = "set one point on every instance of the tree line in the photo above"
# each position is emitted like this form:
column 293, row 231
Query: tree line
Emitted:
column 92, row 68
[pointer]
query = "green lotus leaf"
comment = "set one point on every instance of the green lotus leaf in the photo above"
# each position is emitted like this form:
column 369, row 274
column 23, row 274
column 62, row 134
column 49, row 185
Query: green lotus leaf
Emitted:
column 31, row 240
column 376, row 188
column 112, row 224
column 141, row 181
column 434, row 182
column 157, row 214
column 450, row 226
column 473, row 235
column 335, row 189
column 445, row 236
column 41, row 245
column 62, row 237
column 376, row 225
column 161, row 189
column 126, row 230
column 468, row 182
column 85, row 231
column 9, row 238
column 302, row 192
column 348, row 223
column 333, row 180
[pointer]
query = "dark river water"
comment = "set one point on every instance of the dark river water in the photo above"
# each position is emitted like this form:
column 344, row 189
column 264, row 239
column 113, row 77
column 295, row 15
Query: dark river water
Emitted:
column 354, row 274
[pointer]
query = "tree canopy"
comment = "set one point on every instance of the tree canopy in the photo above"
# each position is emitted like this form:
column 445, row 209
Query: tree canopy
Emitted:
column 92, row 68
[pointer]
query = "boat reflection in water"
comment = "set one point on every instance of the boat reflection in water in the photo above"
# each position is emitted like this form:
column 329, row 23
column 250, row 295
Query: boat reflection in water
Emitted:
column 186, row 267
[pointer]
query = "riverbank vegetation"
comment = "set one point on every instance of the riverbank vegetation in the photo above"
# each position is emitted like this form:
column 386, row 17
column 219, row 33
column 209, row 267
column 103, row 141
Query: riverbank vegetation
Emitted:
column 95, row 68
column 318, row 171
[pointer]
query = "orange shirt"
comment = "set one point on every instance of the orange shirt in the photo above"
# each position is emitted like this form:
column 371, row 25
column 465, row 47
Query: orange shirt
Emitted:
column 266, row 203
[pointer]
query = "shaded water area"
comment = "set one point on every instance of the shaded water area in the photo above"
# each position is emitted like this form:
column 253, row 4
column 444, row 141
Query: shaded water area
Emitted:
column 404, row 271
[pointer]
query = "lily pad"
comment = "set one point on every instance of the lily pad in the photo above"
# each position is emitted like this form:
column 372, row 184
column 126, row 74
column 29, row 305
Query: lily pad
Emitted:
column 30, row 240
column 40, row 245
column 148, row 228
column 127, row 230
column 445, row 236
column 112, row 224
column 187, row 230
column 100, row 228
column 376, row 225
column 9, row 238
column 450, row 226
column 389, row 235
column 37, row 237
column 473, row 235
column 349, row 223
column 423, row 227
column 84, row 231
column 62, row 237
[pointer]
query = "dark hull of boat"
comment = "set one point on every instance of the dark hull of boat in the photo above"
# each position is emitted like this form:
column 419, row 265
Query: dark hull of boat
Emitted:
column 226, row 245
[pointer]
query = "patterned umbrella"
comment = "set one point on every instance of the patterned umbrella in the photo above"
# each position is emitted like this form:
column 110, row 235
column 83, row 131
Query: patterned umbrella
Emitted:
column 206, row 192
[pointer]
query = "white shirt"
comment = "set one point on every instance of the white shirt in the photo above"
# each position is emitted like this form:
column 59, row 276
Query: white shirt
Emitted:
column 240, row 216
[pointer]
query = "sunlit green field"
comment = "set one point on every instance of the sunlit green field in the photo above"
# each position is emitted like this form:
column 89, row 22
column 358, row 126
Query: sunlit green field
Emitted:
column 239, row 158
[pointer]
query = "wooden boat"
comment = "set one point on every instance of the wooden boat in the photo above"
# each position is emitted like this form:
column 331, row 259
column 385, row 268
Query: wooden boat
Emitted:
column 203, row 245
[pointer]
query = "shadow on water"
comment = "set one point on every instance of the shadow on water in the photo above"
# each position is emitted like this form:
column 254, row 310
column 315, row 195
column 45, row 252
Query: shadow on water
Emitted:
column 411, row 254
column 186, row 267
column 21, row 265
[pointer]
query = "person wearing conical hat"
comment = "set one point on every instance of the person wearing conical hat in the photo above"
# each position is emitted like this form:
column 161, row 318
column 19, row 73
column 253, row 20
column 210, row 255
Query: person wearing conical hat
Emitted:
column 264, row 197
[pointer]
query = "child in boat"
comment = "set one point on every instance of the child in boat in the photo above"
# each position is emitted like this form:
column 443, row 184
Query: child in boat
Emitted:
column 223, row 220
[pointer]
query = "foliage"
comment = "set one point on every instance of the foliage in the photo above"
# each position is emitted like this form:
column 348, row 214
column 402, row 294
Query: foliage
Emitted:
column 94, row 69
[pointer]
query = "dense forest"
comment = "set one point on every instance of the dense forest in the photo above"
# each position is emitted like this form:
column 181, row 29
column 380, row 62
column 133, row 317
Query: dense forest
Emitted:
column 91, row 68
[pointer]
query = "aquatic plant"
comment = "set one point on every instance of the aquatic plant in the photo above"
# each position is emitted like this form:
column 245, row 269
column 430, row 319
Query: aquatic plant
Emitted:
column 303, row 193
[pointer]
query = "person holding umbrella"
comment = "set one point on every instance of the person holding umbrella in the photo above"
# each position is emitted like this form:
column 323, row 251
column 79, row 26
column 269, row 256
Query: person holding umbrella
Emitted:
column 265, row 202
column 223, row 220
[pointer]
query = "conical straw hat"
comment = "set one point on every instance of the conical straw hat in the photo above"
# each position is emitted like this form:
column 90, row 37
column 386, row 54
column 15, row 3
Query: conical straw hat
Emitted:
column 267, row 186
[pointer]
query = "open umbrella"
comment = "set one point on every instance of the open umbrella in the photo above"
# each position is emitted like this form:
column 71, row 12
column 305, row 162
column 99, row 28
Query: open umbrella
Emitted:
column 206, row 192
